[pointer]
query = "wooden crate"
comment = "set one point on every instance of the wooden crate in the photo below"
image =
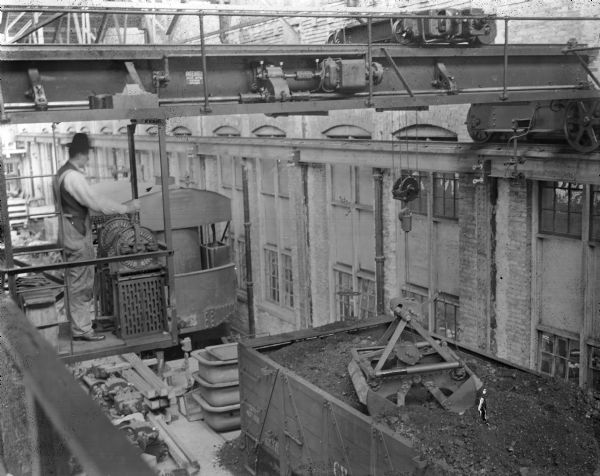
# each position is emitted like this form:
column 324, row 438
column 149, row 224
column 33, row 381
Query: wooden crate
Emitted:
column 42, row 314
column 50, row 333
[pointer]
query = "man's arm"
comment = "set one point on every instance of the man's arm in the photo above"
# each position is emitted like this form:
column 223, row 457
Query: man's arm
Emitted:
column 76, row 184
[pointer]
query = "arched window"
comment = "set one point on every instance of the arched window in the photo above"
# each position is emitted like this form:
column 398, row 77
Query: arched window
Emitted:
column 122, row 130
column 227, row 131
column 152, row 130
column 425, row 132
column 85, row 129
column 106, row 130
column 70, row 130
column 268, row 131
column 181, row 131
column 347, row 131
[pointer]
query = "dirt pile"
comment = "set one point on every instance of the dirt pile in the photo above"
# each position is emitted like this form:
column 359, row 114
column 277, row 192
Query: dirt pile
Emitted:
column 537, row 426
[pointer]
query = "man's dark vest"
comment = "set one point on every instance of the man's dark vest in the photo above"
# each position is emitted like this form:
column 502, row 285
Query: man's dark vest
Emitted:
column 71, row 208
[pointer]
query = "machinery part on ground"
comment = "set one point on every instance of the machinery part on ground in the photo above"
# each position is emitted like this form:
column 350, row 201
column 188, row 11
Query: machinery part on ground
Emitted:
column 577, row 122
column 128, row 401
column 582, row 125
column 114, row 384
column 409, row 29
column 147, row 438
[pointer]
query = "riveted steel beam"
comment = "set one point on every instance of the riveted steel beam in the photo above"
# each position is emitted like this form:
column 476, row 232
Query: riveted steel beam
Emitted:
column 236, row 79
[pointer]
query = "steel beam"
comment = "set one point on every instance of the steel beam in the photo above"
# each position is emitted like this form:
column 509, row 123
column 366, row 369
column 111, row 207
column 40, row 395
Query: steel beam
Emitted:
column 70, row 75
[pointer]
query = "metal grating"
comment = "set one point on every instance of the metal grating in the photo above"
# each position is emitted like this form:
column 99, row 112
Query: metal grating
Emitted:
column 140, row 304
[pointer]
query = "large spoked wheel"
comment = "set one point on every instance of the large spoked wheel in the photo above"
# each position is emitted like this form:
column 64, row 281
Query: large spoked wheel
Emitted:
column 474, row 126
column 582, row 125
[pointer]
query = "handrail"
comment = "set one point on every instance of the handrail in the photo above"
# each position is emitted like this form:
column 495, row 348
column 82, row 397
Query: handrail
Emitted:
column 60, row 406
column 195, row 8
column 89, row 262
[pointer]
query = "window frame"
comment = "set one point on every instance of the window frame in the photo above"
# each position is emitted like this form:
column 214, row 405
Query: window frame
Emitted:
column 284, row 295
column 545, row 185
column 555, row 357
column 445, row 178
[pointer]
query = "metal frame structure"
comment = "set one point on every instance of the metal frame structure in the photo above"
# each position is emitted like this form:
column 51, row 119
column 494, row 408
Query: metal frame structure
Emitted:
column 150, row 83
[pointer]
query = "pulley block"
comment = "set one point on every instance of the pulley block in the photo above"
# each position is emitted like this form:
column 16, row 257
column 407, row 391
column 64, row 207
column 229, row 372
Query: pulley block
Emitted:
column 405, row 189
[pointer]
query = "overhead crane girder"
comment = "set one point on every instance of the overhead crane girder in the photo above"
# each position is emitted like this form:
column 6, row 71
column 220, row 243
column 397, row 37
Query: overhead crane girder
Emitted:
column 96, row 82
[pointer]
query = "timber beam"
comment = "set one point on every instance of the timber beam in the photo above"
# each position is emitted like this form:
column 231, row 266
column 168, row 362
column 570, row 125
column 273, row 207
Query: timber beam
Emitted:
column 94, row 83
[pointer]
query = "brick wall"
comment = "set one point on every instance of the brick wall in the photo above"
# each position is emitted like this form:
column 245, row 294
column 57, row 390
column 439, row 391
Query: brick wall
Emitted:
column 318, row 226
column 391, row 242
column 475, row 254
column 513, row 271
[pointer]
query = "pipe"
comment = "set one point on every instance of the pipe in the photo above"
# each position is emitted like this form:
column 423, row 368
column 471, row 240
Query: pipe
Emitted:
column 84, row 105
column 504, row 96
column 379, row 256
column 132, row 166
column 227, row 10
column 417, row 369
column 207, row 107
column 248, row 245
column 369, row 102
column 164, row 181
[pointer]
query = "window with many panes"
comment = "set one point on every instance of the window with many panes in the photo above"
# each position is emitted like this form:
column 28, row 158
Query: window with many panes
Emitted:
column 445, row 195
column 561, row 208
column 344, row 294
column 595, row 214
column 367, row 299
column 353, row 248
column 226, row 171
column 288, row 280
column 272, row 275
column 279, row 283
column 559, row 356
column 446, row 312
column 419, row 204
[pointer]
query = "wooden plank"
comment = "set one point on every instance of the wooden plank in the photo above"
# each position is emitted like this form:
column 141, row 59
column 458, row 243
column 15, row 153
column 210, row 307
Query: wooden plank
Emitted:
column 162, row 389
column 182, row 455
column 138, row 382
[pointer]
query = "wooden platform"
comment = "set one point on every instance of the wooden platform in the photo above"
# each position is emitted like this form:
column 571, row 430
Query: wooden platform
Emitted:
column 73, row 351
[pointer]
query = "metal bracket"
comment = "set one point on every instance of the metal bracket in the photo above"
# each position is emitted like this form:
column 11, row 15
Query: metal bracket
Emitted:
column 482, row 170
column 443, row 80
column 275, row 87
column 37, row 92
column 134, row 74
column 512, row 165
column 159, row 78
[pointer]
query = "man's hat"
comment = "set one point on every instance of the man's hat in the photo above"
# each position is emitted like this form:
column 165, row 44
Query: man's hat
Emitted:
column 79, row 144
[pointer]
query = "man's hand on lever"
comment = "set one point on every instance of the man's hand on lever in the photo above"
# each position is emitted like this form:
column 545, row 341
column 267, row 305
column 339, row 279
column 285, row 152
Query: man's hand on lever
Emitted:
column 133, row 206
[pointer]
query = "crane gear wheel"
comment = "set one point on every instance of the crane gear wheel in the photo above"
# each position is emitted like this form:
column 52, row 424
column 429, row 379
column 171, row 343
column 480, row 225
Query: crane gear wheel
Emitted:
column 582, row 125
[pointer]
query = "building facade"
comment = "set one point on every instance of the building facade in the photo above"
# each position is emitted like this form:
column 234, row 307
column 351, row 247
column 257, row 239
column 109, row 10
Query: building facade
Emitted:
column 505, row 262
